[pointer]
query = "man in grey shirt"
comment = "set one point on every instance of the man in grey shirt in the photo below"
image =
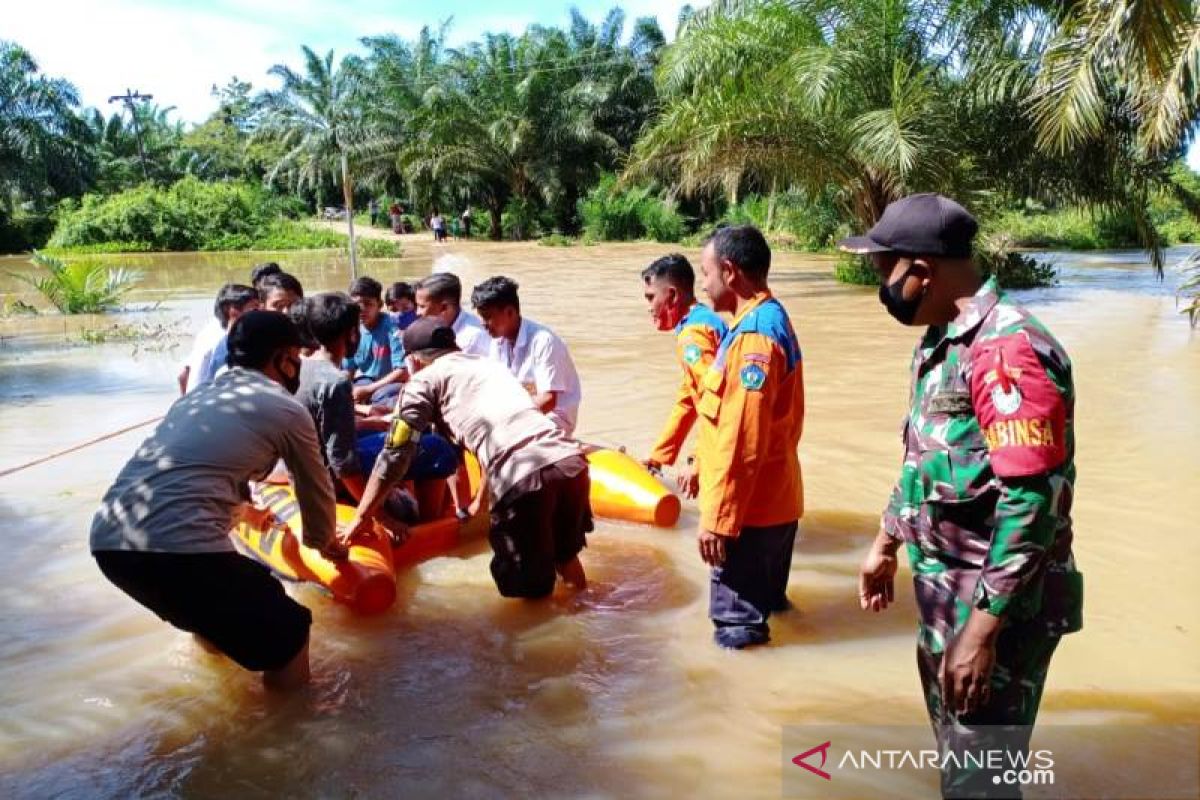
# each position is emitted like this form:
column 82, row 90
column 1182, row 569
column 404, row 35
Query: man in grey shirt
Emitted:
column 162, row 532
column 537, row 475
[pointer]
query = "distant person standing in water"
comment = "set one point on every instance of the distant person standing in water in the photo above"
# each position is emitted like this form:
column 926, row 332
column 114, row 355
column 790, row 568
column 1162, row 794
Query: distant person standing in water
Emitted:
column 466, row 222
column 373, row 211
column 438, row 223
column 983, row 503
column 669, row 286
column 751, row 415
column 396, row 213
column 162, row 532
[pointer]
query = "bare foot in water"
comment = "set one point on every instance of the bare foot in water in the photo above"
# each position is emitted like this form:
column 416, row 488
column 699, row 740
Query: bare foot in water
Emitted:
column 572, row 574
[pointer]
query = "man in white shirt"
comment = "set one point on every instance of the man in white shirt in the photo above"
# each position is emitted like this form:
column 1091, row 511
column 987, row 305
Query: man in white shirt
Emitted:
column 440, row 295
column 531, row 352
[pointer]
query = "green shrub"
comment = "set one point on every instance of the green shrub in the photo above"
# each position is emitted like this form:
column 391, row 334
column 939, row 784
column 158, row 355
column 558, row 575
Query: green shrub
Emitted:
column 612, row 214
column 660, row 220
column 378, row 248
column 520, row 219
column 855, row 270
column 994, row 256
column 797, row 222
column 557, row 240
column 81, row 287
column 188, row 215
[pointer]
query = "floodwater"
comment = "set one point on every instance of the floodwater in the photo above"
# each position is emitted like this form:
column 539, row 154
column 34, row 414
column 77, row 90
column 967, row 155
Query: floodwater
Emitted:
column 618, row 692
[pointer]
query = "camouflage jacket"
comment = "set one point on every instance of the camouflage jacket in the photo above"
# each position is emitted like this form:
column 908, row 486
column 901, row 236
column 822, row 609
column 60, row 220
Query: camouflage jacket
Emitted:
column 984, row 497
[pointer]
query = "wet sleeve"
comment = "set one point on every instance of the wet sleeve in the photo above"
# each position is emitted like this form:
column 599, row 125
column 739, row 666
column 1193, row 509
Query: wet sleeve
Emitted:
column 696, row 355
column 341, row 438
column 754, row 367
column 314, row 489
column 1021, row 407
column 415, row 411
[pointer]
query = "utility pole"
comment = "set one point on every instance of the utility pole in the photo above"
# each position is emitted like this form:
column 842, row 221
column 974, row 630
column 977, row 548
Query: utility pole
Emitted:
column 348, row 197
column 128, row 98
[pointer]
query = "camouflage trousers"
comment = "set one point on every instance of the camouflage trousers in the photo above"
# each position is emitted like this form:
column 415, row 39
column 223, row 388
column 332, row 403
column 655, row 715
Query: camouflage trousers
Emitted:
column 1005, row 723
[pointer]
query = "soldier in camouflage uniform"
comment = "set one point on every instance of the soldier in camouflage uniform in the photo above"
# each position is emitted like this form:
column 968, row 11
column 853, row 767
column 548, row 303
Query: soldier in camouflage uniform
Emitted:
column 984, row 497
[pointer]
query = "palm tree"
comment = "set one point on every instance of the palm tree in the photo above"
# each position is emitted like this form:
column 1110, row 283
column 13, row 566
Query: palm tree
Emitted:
column 1123, row 76
column 43, row 143
column 534, row 119
column 319, row 119
column 866, row 96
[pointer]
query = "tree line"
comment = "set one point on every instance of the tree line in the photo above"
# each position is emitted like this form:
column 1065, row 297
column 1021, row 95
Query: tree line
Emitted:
column 836, row 105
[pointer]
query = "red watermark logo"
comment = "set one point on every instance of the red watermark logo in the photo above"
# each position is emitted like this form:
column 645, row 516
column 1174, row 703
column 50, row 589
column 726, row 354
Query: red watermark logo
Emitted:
column 823, row 749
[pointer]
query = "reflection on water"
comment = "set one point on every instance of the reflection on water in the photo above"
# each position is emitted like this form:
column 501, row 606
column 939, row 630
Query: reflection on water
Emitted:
column 618, row 692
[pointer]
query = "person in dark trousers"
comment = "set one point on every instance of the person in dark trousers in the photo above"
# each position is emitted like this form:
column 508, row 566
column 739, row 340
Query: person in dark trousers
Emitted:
column 983, row 502
column 537, row 475
column 751, row 414
column 162, row 532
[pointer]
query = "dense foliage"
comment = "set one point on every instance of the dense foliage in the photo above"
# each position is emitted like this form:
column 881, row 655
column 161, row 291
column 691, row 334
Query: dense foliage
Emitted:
column 1062, row 124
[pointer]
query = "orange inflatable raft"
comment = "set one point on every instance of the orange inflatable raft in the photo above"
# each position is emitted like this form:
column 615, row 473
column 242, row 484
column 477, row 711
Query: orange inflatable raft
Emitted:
column 366, row 581
column 623, row 489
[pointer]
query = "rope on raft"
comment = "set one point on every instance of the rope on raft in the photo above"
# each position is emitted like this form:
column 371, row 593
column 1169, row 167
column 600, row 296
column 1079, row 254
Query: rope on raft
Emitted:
column 74, row 448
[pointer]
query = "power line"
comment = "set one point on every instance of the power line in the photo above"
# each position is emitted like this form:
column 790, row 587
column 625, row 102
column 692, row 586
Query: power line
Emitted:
column 129, row 98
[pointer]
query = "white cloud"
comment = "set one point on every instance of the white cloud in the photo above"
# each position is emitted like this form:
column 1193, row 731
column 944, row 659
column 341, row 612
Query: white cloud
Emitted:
column 177, row 51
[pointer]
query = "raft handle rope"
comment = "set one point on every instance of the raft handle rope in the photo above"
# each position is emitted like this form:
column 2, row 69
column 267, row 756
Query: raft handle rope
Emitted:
column 74, row 448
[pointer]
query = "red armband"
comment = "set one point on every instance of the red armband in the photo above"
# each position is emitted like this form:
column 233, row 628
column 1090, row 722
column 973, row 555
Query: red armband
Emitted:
column 1021, row 412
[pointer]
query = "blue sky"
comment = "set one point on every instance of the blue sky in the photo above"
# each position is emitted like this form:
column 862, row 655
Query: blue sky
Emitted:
column 177, row 50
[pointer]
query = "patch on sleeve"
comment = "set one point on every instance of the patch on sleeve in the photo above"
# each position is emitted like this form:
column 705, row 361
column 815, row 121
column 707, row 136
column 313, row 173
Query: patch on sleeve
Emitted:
column 399, row 434
column 1021, row 412
column 753, row 377
column 691, row 354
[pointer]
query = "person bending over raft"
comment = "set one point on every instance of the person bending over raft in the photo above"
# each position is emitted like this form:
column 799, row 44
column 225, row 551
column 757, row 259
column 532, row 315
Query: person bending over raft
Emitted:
column 162, row 532
column 537, row 475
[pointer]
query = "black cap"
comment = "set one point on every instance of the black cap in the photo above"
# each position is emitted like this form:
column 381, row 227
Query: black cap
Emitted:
column 429, row 333
column 920, row 225
column 257, row 336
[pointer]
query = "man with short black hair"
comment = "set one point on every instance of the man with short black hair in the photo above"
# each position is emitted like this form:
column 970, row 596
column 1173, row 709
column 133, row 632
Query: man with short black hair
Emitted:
column 200, row 364
column 537, row 475
column 401, row 301
column 279, row 291
column 162, row 532
column 232, row 301
column 262, row 271
column 378, row 363
column 751, row 415
column 530, row 351
column 983, row 502
column 669, row 286
column 440, row 295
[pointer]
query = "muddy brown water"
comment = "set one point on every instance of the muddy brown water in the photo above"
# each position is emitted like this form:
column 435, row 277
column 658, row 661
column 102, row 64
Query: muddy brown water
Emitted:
column 618, row 692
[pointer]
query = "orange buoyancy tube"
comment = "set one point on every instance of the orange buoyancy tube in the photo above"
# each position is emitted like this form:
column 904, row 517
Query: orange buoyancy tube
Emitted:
column 623, row 489
column 365, row 581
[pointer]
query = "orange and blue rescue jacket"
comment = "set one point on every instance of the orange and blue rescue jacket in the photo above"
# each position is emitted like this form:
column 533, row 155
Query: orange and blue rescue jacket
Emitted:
column 697, row 337
column 751, row 417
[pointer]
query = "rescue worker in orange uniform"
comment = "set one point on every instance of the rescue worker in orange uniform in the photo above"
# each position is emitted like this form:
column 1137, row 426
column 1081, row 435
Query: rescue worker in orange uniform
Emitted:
column 670, row 291
column 751, row 417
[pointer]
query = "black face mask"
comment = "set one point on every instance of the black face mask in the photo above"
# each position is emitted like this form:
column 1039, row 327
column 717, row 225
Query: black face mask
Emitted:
column 892, row 297
column 292, row 382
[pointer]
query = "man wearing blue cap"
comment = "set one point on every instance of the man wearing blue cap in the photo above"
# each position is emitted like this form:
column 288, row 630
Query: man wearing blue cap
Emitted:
column 983, row 502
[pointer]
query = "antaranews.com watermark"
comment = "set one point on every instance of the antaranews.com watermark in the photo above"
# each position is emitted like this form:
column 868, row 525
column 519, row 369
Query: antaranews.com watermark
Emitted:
column 1118, row 762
